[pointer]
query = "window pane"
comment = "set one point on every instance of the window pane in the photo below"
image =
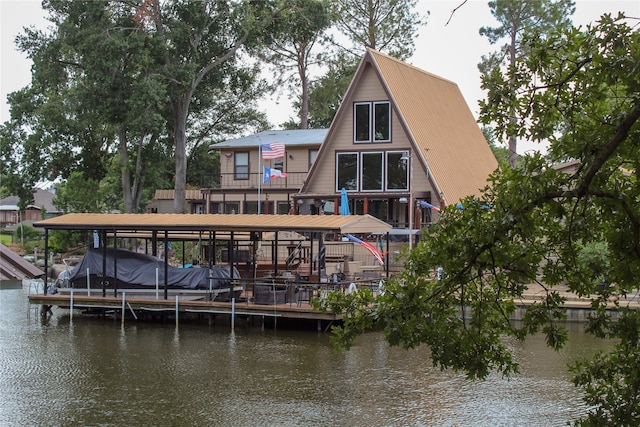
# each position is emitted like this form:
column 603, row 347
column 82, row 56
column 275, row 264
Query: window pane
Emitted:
column 232, row 208
column 313, row 153
column 362, row 122
column 397, row 171
column 347, row 171
column 283, row 208
column 251, row 207
column 371, row 171
column 241, row 165
column 382, row 121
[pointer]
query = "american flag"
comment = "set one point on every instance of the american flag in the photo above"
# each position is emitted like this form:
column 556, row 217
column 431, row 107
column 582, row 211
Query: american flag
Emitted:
column 379, row 256
column 275, row 150
column 428, row 205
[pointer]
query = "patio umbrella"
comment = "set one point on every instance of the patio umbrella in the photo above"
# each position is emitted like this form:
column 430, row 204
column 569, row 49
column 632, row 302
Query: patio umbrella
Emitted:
column 344, row 203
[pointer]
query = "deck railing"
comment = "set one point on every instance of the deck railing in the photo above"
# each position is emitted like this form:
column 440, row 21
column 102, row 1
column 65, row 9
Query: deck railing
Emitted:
column 294, row 180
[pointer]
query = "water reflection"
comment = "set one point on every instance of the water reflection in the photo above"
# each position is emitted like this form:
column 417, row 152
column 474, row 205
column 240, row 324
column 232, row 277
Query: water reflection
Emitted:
column 93, row 372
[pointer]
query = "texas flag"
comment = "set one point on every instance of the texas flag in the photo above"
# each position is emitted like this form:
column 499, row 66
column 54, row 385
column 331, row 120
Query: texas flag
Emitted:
column 273, row 173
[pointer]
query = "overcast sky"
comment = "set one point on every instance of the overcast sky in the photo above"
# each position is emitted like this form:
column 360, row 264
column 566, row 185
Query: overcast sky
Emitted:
column 451, row 51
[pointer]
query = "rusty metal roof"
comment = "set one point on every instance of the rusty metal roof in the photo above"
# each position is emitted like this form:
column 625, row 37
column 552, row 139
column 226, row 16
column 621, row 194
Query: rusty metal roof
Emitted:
column 447, row 136
column 14, row 267
column 216, row 222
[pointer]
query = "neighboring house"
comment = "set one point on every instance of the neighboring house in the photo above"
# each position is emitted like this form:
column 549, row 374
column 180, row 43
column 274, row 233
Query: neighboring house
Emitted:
column 162, row 202
column 400, row 137
column 42, row 208
column 242, row 169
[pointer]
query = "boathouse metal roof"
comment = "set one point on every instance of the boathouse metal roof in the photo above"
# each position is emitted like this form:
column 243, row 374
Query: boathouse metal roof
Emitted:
column 354, row 224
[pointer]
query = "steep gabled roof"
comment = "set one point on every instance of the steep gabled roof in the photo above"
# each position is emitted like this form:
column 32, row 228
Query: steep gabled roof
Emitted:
column 441, row 126
column 438, row 122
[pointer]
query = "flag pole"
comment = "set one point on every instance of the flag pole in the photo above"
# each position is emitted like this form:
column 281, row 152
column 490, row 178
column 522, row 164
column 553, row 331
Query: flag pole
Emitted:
column 260, row 173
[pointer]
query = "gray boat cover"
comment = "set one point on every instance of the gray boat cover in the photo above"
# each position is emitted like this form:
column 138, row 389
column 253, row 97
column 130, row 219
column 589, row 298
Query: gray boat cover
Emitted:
column 135, row 270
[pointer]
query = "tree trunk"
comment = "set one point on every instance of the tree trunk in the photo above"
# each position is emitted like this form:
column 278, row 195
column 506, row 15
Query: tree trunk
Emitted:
column 513, row 142
column 304, row 98
column 180, row 112
column 124, row 171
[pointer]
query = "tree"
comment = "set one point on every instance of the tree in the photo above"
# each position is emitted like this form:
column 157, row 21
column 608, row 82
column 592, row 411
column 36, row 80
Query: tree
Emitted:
column 518, row 18
column 532, row 225
column 92, row 93
column 201, row 42
column 501, row 153
column 78, row 194
column 113, row 77
column 326, row 93
column 387, row 26
column 299, row 27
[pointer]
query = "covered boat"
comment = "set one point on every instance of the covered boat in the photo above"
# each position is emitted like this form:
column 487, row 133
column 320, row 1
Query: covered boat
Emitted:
column 133, row 270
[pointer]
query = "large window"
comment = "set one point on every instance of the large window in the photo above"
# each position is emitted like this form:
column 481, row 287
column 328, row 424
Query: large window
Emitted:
column 397, row 171
column 347, row 171
column 241, row 165
column 372, row 171
column 372, row 122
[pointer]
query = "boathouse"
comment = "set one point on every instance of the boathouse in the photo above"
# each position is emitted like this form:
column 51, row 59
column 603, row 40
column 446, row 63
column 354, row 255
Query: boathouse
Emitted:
column 279, row 284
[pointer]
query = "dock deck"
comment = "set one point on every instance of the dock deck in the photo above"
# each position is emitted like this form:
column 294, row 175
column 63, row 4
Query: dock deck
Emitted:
column 183, row 303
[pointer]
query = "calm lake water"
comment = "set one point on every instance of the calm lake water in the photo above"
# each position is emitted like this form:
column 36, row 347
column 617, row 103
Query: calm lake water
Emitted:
column 91, row 372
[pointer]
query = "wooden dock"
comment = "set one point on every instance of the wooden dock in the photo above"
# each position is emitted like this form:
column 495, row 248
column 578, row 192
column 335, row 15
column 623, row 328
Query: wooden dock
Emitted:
column 178, row 305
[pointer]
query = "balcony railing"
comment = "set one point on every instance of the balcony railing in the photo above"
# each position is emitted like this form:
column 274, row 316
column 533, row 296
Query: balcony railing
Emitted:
column 294, row 180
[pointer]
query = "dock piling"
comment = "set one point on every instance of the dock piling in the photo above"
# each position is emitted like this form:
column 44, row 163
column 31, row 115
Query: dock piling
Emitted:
column 177, row 311
column 233, row 314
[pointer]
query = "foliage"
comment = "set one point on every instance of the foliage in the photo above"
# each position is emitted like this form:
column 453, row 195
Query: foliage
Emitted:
column 132, row 81
column 518, row 18
column 501, row 153
column 580, row 91
column 384, row 25
column 63, row 240
column 611, row 381
column 294, row 50
column 78, row 194
column 26, row 232
column 327, row 92
column 204, row 167
column 387, row 26
column 200, row 45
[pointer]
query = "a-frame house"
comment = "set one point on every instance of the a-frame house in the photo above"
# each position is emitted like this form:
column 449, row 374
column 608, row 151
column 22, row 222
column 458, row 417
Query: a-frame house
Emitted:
column 400, row 137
